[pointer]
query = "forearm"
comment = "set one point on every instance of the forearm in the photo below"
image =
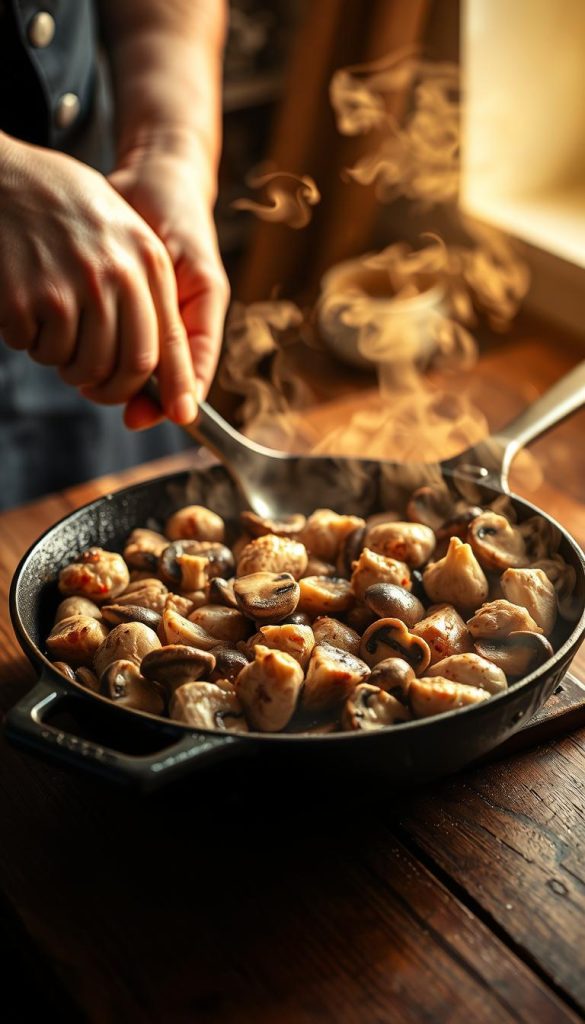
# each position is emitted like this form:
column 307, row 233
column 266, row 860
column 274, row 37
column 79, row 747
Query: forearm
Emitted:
column 166, row 64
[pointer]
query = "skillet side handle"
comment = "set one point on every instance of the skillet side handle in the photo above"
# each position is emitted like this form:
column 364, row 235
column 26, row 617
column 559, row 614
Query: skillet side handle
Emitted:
column 177, row 753
column 564, row 398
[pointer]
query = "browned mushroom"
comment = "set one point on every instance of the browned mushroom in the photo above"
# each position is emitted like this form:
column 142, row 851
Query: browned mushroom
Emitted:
column 286, row 526
column 267, row 596
column 175, row 664
column 146, row 594
column 327, row 630
column 273, row 554
column 532, row 589
column 496, row 543
column 208, row 706
column 323, row 595
column 65, row 670
column 393, row 675
column 228, row 664
column 97, row 574
column 220, row 591
column 349, row 552
column 221, row 622
column 143, row 549
column 85, row 677
column 71, row 606
column 76, row 639
column 369, row 707
column 298, row 641
column 190, row 564
column 331, row 676
column 516, row 654
column 114, row 614
column 445, row 633
column 268, row 689
column 390, row 638
column 391, row 601
column 325, row 532
column 123, row 683
column 196, row 523
column 178, row 630
column 129, row 642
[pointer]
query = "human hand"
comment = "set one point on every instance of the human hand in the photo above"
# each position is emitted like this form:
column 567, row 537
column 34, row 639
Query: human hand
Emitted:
column 170, row 187
column 86, row 284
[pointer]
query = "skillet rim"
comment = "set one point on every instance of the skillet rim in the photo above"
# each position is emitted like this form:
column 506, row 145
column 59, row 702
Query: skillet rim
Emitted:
column 46, row 668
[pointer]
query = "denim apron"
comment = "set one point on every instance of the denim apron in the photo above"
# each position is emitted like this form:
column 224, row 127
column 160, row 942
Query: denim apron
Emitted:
column 50, row 437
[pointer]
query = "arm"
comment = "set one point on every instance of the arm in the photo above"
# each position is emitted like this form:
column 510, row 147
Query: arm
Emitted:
column 166, row 65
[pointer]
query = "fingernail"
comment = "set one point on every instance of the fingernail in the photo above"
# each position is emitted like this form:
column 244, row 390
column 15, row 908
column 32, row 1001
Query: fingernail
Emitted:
column 183, row 409
column 200, row 390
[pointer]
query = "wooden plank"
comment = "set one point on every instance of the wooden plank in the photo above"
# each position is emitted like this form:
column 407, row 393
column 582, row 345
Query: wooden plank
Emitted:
column 233, row 901
column 512, row 836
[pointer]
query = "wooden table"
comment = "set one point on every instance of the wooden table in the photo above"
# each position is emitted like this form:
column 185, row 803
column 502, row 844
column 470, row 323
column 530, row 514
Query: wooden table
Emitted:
column 231, row 899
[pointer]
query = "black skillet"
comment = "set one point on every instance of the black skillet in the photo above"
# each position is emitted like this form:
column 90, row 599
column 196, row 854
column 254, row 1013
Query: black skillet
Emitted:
column 61, row 719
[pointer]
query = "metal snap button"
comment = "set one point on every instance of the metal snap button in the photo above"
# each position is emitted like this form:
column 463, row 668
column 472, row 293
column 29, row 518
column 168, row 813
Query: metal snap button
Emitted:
column 41, row 30
column 67, row 110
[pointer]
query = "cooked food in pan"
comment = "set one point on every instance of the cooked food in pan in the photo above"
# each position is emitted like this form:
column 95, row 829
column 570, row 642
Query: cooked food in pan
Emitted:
column 318, row 624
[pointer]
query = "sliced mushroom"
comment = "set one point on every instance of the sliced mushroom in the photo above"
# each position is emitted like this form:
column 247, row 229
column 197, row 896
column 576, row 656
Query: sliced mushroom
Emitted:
column 194, row 522
column 273, row 554
column 499, row 618
column 97, row 574
column 286, row 526
column 471, row 670
column 349, row 552
column 228, row 665
column 564, row 579
column 457, row 524
column 71, row 606
column 388, row 600
column 369, row 707
column 496, row 543
column 359, row 618
column 114, row 614
column 269, row 689
column 175, row 664
column 298, row 641
column 325, row 532
column 220, row 591
column 532, row 589
column 178, row 630
column 390, row 638
column 266, row 596
column 457, row 578
column 332, row 675
column 143, row 549
column 76, row 639
column 331, row 631
column 412, row 543
column 221, row 622
column 445, row 633
column 129, row 642
column 190, row 564
column 393, row 675
column 85, row 677
column 434, row 695
column 541, row 537
column 322, row 595
column 371, row 568
column 208, row 706
column 184, row 605
column 123, row 683
column 516, row 654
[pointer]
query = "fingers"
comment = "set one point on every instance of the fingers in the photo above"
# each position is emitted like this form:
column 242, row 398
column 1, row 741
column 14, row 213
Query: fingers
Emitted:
column 141, row 413
column 136, row 346
column 96, row 351
column 176, row 376
column 58, row 313
column 203, row 301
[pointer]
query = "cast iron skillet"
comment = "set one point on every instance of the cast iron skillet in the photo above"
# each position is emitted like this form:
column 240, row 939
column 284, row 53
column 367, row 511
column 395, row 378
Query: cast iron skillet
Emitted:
column 61, row 719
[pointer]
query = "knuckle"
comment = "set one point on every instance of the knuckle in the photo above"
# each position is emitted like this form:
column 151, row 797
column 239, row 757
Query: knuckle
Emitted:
column 141, row 361
column 154, row 254
column 56, row 304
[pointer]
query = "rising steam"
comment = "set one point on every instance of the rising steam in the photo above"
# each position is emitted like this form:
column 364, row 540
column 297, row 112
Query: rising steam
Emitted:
column 289, row 198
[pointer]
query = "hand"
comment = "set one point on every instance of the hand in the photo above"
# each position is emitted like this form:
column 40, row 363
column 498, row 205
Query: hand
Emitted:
column 86, row 285
column 170, row 189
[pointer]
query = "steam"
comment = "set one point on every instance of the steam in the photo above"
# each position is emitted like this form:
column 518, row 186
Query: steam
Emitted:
column 290, row 198
column 418, row 158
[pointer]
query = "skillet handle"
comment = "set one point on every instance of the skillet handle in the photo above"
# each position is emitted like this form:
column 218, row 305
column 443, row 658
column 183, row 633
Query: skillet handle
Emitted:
column 168, row 753
column 564, row 398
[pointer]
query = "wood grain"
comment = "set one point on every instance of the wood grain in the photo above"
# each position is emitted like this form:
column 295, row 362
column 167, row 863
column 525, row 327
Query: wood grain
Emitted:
column 513, row 837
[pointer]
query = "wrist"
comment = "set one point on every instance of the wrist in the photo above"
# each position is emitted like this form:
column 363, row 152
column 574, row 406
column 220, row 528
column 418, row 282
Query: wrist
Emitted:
column 173, row 143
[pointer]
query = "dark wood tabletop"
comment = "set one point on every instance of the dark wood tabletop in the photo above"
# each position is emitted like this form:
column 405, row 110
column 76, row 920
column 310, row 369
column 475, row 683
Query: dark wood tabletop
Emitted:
column 240, row 897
